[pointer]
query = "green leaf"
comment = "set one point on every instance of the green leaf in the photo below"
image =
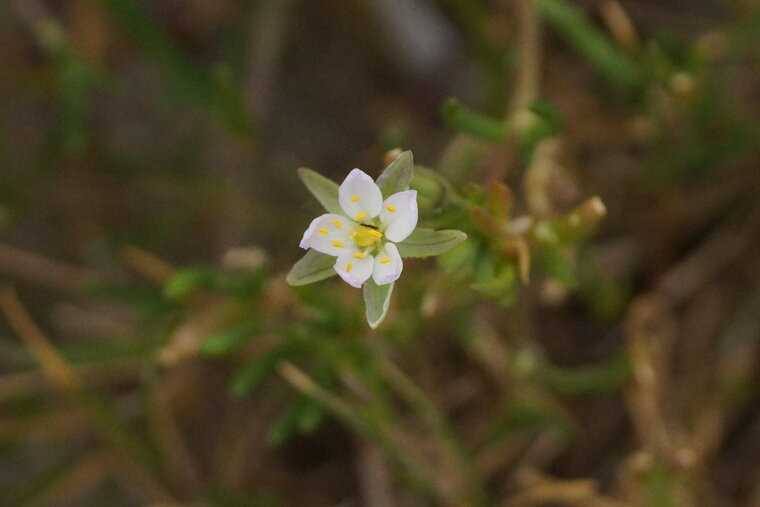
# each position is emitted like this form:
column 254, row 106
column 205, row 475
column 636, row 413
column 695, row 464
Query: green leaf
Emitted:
column 495, row 282
column 398, row 174
column 590, row 42
column 550, row 114
column 459, row 257
column 547, row 122
column 377, row 299
column 427, row 242
column 588, row 380
column 257, row 371
column 312, row 267
column 530, row 413
column 557, row 265
column 462, row 119
column 224, row 343
column 189, row 80
column 190, row 279
column 325, row 190
column 187, row 280
column 302, row 417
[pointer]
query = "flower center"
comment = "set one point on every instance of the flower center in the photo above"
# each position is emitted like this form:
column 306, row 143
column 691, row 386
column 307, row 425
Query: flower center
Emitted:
column 366, row 236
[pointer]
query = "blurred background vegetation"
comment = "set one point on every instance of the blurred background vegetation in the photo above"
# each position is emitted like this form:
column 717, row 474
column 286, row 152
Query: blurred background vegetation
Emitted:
column 151, row 352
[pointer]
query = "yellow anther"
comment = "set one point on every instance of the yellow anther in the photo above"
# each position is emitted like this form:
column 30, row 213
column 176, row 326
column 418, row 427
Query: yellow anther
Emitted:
column 354, row 198
column 337, row 244
column 361, row 216
column 348, row 267
column 390, row 208
column 323, row 231
column 360, row 255
column 385, row 260
column 337, row 223
column 365, row 236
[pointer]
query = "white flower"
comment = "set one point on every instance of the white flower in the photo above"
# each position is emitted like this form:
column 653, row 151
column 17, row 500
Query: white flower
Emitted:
column 363, row 239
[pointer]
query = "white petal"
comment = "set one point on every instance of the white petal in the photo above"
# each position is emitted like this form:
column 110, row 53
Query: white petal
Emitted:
column 330, row 234
column 354, row 271
column 388, row 265
column 359, row 197
column 399, row 215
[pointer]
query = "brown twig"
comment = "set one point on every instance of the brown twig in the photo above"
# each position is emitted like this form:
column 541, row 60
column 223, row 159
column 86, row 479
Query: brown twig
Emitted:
column 43, row 271
column 374, row 477
column 18, row 385
column 581, row 493
column 139, row 457
column 529, row 44
column 713, row 255
column 80, row 478
column 147, row 264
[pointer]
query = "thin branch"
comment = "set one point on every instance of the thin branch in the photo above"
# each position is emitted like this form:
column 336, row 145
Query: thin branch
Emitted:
column 529, row 44
column 43, row 271
column 105, row 420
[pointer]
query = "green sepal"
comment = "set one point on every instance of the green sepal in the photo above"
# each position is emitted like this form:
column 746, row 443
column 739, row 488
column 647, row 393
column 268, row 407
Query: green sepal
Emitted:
column 427, row 242
column 398, row 174
column 323, row 189
column 312, row 267
column 377, row 299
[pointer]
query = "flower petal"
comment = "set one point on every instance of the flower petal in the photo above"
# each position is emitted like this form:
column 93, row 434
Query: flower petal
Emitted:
column 399, row 215
column 388, row 265
column 359, row 197
column 354, row 271
column 330, row 234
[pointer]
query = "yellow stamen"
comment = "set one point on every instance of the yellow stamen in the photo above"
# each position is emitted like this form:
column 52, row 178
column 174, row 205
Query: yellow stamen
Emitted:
column 385, row 260
column 361, row 216
column 365, row 236
column 348, row 267
column 337, row 244
column 390, row 208
column 323, row 231
column 354, row 198
column 337, row 223
column 360, row 255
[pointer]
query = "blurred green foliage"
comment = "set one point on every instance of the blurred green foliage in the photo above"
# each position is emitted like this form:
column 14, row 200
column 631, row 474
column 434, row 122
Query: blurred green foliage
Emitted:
column 505, row 366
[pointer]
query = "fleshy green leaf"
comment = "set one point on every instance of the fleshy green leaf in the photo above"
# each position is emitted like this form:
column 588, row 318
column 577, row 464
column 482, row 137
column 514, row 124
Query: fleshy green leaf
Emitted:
column 259, row 369
column 427, row 242
column 312, row 267
column 377, row 299
column 530, row 413
column 398, row 174
column 495, row 282
column 588, row 380
column 224, row 343
column 591, row 42
column 556, row 264
column 190, row 279
column 462, row 119
column 325, row 190
column 302, row 417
